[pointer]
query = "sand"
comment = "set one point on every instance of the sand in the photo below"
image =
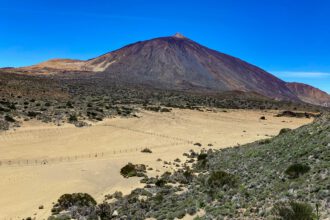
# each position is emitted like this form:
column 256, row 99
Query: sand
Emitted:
column 40, row 162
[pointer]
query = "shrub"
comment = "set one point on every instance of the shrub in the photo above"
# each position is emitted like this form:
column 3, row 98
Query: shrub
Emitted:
column 146, row 150
column 75, row 199
column 177, row 160
column 69, row 104
column 296, row 170
column 292, row 211
column 73, row 118
column 160, row 182
column 165, row 110
column 221, row 178
column 262, row 118
column 284, row 130
column 9, row 118
column 128, row 170
column 33, row 114
column 131, row 170
column 202, row 157
column 198, row 144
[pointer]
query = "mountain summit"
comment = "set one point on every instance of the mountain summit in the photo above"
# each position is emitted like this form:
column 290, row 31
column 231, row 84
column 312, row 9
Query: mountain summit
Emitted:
column 179, row 63
column 178, row 35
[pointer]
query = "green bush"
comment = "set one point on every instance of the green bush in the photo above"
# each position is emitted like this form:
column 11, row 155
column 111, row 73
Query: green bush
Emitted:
column 128, row 170
column 32, row 114
column 165, row 110
column 202, row 157
column 296, row 170
column 265, row 141
column 9, row 118
column 160, row 182
column 75, row 199
column 221, row 178
column 73, row 118
column 69, row 104
column 131, row 170
column 293, row 211
column 284, row 130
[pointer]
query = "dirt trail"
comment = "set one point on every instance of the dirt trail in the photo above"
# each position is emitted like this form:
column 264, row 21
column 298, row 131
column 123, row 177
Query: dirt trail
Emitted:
column 24, row 187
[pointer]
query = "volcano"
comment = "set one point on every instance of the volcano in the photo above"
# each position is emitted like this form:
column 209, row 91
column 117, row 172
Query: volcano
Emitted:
column 179, row 63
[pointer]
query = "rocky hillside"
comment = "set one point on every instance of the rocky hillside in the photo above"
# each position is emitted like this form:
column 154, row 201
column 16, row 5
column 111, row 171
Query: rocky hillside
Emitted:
column 310, row 94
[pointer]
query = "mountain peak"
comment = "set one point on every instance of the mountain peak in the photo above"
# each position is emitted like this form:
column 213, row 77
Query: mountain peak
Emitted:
column 179, row 35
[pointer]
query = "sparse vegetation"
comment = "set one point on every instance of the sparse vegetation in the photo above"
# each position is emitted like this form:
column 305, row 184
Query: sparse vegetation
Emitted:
column 252, row 178
column 53, row 100
column 223, row 182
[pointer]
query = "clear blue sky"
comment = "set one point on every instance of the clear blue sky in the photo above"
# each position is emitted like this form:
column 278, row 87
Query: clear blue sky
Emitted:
column 288, row 38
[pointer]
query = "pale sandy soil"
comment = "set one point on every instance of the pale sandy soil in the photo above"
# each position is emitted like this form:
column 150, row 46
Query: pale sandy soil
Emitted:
column 89, row 159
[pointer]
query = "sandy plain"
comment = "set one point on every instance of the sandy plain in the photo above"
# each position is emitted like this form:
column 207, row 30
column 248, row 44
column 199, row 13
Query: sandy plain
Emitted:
column 39, row 162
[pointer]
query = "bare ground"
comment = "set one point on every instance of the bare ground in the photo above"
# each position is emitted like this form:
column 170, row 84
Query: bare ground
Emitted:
column 40, row 162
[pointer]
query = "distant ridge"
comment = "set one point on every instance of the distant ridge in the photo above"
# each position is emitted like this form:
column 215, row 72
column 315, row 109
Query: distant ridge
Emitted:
column 310, row 94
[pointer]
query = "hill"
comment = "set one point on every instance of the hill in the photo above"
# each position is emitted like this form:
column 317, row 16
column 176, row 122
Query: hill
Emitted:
column 310, row 94
column 285, row 177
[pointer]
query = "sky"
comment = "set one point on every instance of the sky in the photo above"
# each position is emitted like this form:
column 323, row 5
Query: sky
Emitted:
column 288, row 38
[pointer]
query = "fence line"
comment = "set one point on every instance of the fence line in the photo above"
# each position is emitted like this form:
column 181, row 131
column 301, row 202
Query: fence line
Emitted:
column 95, row 155
column 151, row 133
column 72, row 158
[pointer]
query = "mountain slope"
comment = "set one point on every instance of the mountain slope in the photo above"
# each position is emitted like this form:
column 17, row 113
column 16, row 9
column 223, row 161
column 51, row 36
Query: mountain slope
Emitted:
column 179, row 63
column 54, row 66
column 310, row 94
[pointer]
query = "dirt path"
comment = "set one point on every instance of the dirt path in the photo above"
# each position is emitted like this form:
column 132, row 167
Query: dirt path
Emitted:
column 88, row 159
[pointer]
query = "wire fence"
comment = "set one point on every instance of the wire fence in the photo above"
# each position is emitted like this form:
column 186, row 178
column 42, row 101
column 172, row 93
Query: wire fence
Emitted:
column 72, row 158
column 151, row 133
column 92, row 155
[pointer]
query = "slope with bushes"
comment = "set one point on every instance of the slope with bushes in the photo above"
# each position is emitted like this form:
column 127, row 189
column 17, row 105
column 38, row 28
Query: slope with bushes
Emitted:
column 286, row 177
